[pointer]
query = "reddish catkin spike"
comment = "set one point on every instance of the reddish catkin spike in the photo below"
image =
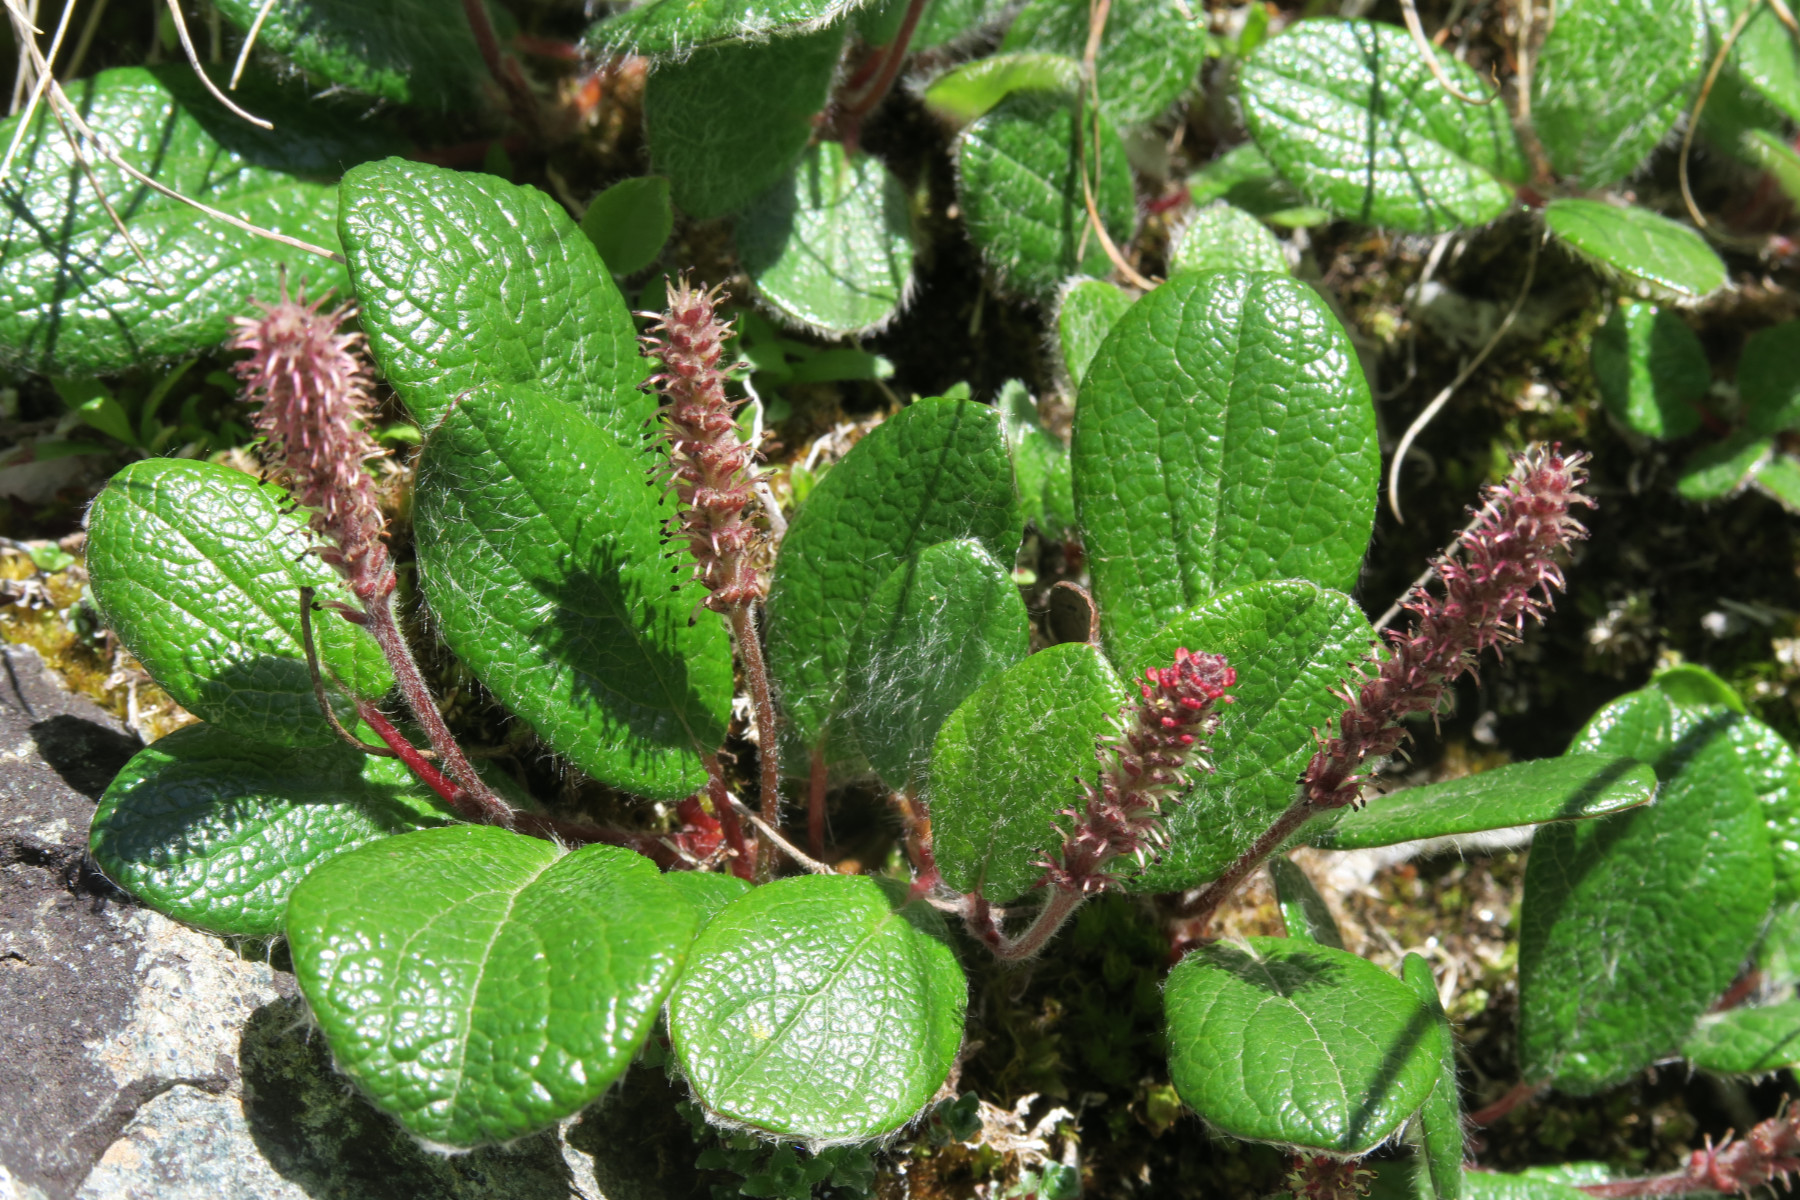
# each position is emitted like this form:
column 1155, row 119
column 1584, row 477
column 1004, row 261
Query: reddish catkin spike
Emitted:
column 1143, row 766
column 1322, row 1177
column 1505, row 573
column 710, row 468
column 1769, row 1155
column 313, row 387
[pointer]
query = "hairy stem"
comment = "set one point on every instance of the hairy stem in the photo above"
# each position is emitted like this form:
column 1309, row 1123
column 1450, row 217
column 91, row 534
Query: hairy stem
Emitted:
column 1207, row 901
column 1054, row 914
column 756, row 675
column 743, row 852
column 1770, row 1152
column 818, row 781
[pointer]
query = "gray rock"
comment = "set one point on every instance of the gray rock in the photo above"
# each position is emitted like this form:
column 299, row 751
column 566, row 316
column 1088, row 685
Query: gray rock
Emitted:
column 149, row 1061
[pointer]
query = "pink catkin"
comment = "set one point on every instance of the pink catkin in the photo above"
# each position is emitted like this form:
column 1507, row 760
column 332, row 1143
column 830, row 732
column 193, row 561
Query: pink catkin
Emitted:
column 710, row 466
column 1505, row 573
column 313, row 387
column 1143, row 767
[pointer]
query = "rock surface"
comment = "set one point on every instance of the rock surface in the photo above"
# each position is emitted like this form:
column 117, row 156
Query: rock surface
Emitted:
column 149, row 1061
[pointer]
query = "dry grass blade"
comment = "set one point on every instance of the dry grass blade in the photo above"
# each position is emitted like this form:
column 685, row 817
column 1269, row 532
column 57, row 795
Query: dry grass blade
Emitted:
column 187, row 44
column 1410, row 10
column 37, row 87
column 1442, row 398
column 1712, row 77
column 1098, row 12
column 237, row 70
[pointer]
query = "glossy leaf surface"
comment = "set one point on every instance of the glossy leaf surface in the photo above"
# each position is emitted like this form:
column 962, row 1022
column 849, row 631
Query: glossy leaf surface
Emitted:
column 969, row 89
column 1439, row 1135
column 1574, row 787
column 1746, row 1041
column 727, row 123
column 466, row 279
column 1721, row 468
column 1303, row 911
column 215, row 830
column 945, row 622
column 935, row 472
column 1149, row 53
column 629, row 222
column 198, row 569
column 1647, row 249
column 1285, row 1041
column 1632, row 926
column 1019, row 185
column 830, row 246
column 74, row 300
column 1349, row 112
column 1223, row 238
column 1010, row 759
column 812, row 1008
column 403, row 51
column 1291, row 643
column 478, row 985
column 1651, row 370
column 1085, row 316
column 1611, row 78
column 671, row 28
column 540, row 553
column 1215, row 400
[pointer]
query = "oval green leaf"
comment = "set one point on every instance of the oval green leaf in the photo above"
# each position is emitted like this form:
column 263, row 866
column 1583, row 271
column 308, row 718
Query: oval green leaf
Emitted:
column 946, row 621
column 813, row 1008
column 540, row 553
column 464, row 279
column 1291, row 643
column 1769, row 378
column 1084, row 317
column 198, row 569
column 966, row 91
column 74, row 299
column 1575, row 787
column 1439, row 1135
column 1019, row 185
column 1746, row 1041
column 935, row 472
column 1303, row 911
column 403, row 51
column 1651, row 370
column 1040, row 460
column 1215, row 400
column 830, row 246
column 1611, row 79
column 672, row 28
column 1285, row 1041
column 629, row 222
column 1649, row 250
column 1149, row 53
column 1223, row 238
column 215, row 830
column 478, row 985
column 1349, row 112
column 1717, row 470
column 1011, row 759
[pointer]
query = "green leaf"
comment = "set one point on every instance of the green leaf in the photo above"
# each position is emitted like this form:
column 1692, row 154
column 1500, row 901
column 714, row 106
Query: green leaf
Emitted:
column 1632, row 926
column 946, row 621
column 1692, row 686
column 1650, row 251
column 1303, row 911
column 1767, row 151
column 1492, row 1185
column 198, row 569
column 1349, row 112
column 1223, row 238
column 726, row 124
column 1651, row 370
column 1612, row 77
column 814, row 1008
column 969, row 89
column 478, row 985
column 1280, row 1040
column 1780, row 478
column 629, row 222
column 1011, row 759
column 1769, row 378
column 935, row 472
column 667, row 29
column 1086, row 314
column 1037, row 455
column 1215, row 400
column 403, row 51
column 1575, row 787
column 76, row 301
column 1291, row 643
column 1764, row 57
column 830, row 246
column 466, row 279
column 1746, row 1041
column 1440, row 1131
column 959, row 21
column 1778, row 954
column 215, row 830
column 1149, row 53
column 1019, row 185
column 541, row 556
column 1243, row 178
column 1717, row 470
column 708, row 891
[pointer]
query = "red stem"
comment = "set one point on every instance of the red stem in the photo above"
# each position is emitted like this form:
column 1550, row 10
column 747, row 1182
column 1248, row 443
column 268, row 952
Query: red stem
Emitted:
column 743, row 852
column 1214, row 894
column 1051, row 917
column 756, row 675
column 409, row 754
column 1516, row 1095
column 817, row 781
column 850, row 125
